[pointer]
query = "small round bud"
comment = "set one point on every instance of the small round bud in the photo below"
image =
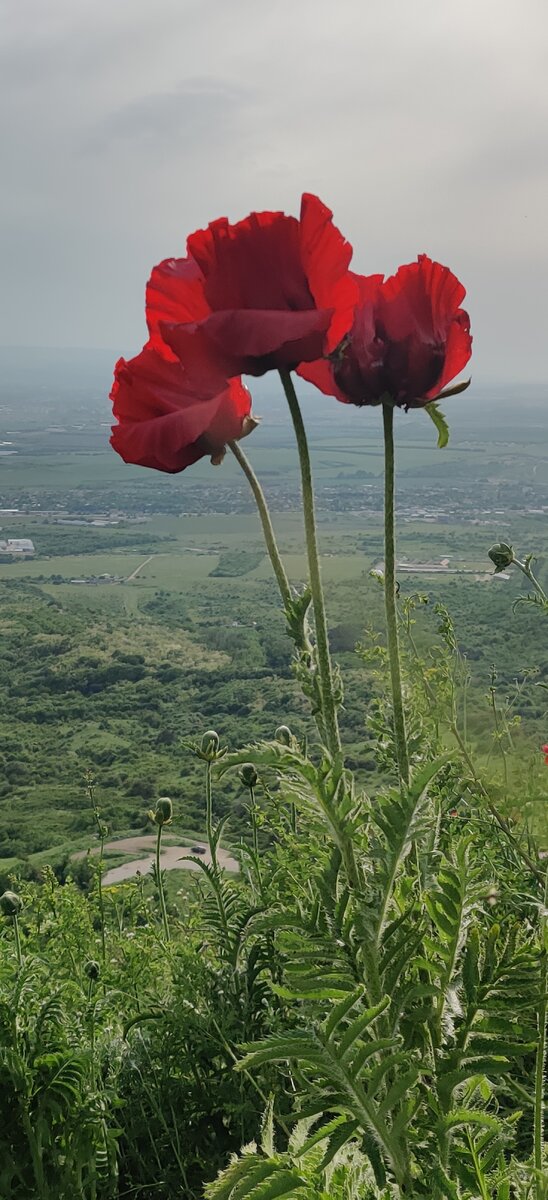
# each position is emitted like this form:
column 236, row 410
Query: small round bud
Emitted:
column 501, row 555
column 10, row 904
column 283, row 735
column 163, row 811
column 248, row 775
column 210, row 744
column 92, row 970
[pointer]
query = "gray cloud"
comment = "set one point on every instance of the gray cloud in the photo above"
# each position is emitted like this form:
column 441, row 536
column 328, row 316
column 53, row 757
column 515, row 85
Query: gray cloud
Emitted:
column 164, row 121
column 126, row 126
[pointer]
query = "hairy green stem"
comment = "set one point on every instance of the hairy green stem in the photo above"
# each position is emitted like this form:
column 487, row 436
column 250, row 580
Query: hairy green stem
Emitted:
column 17, row 937
column 101, row 898
column 268, row 529
column 498, row 731
column 101, row 828
column 525, row 567
column 255, row 834
column 390, row 594
column 540, row 1070
column 322, row 640
column 209, row 817
column 160, row 883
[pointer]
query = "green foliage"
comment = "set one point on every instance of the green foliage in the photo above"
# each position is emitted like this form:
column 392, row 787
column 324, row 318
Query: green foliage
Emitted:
column 359, row 1013
column 237, row 562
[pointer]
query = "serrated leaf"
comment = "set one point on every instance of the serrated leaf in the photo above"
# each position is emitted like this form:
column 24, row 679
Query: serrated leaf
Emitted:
column 467, row 1116
column 358, row 1027
column 340, row 1011
column 403, row 1084
column 440, row 422
column 292, row 1045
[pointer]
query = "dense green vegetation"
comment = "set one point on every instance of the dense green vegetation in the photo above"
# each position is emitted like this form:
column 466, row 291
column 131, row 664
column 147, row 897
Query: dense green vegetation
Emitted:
column 361, row 1005
column 115, row 692
column 121, row 1035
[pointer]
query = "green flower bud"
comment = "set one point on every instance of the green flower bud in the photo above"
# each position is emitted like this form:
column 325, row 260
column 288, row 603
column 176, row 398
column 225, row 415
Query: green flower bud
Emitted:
column 92, row 969
column 10, row 904
column 210, row 744
column 283, row 734
column 248, row 775
column 501, row 555
column 209, row 748
column 163, row 812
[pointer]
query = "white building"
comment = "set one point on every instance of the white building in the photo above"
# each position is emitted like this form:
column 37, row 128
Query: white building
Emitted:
column 21, row 547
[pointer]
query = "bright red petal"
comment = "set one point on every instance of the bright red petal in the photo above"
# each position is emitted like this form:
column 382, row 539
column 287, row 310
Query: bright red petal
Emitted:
column 320, row 373
column 206, row 368
column 326, row 257
column 245, row 342
column 458, row 350
column 255, row 264
column 174, row 294
column 255, row 334
column 420, row 299
column 161, row 423
column 368, row 287
column 226, row 425
column 161, row 443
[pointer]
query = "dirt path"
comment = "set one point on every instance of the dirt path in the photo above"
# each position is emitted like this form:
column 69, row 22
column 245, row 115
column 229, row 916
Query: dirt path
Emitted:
column 135, row 573
column 170, row 858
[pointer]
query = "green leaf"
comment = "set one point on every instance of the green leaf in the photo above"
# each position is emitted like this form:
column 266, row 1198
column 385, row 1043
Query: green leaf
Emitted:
column 340, row 1011
column 358, row 1027
column 466, row 1116
column 293, row 1045
column 398, row 1090
column 312, row 988
column 440, row 422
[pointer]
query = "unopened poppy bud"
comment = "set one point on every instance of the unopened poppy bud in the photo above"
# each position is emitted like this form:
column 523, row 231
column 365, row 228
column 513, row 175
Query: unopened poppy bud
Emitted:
column 210, row 743
column 248, row 775
column 501, row 555
column 10, row 904
column 283, row 734
column 92, row 969
column 163, row 812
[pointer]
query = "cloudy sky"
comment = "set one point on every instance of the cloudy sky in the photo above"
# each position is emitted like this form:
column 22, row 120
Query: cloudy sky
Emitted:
column 126, row 124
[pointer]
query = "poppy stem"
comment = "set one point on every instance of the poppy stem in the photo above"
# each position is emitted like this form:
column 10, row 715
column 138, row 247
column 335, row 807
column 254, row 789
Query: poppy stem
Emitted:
column 390, row 594
column 268, row 529
column 540, row 1072
column 160, row 883
column 322, row 639
column 526, row 568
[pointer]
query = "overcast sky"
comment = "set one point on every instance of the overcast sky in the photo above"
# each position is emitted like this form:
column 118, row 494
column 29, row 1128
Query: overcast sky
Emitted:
column 126, row 124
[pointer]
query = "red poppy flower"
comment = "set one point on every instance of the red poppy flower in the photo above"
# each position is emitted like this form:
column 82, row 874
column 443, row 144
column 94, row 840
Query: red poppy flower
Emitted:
column 161, row 421
column 545, row 752
column 409, row 338
column 269, row 292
